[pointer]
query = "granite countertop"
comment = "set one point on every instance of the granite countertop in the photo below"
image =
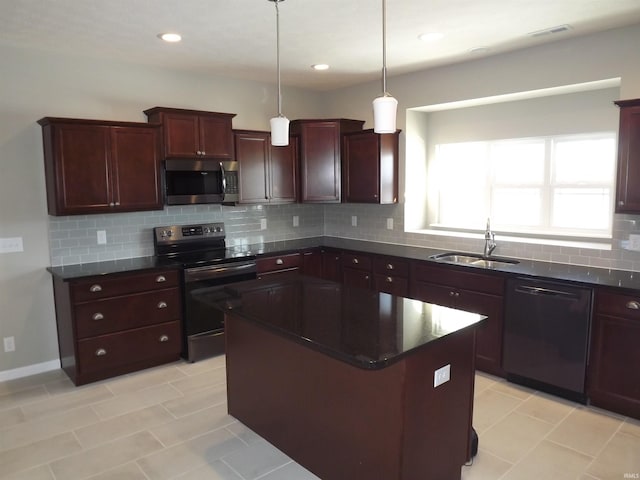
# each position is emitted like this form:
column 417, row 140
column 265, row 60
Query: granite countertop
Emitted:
column 366, row 329
column 590, row 276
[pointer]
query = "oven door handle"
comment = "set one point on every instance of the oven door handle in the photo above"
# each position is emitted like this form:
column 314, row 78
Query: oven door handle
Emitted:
column 219, row 271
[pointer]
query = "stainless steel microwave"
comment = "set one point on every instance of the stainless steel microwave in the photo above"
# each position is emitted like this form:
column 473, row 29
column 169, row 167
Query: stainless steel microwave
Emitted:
column 201, row 181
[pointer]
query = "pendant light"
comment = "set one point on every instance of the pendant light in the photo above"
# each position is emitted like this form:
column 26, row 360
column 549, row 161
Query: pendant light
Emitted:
column 385, row 106
column 279, row 124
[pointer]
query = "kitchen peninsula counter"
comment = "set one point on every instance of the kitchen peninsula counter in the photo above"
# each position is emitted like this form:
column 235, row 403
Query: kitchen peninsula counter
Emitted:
column 342, row 379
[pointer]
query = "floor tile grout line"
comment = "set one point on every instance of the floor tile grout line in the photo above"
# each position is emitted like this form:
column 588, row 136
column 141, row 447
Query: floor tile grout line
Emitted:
column 604, row 446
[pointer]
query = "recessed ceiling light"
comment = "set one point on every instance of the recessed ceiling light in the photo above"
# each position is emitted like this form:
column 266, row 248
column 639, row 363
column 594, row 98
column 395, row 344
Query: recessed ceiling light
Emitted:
column 320, row 66
column 431, row 36
column 170, row 37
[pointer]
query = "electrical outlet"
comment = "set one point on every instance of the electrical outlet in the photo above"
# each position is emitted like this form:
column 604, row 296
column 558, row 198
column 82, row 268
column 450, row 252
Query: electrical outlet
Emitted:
column 11, row 245
column 634, row 242
column 102, row 237
column 354, row 221
column 389, row 223
column 296, row 221
column 9, row 344
column 442, row 375
column 263, row 224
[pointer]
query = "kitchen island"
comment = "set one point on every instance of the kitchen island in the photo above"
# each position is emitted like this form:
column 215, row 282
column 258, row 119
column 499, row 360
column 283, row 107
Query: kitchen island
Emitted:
column 342, row 379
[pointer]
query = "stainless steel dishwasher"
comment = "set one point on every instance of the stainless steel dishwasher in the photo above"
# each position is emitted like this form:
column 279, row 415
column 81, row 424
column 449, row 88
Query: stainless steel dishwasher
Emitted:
column 546, row 336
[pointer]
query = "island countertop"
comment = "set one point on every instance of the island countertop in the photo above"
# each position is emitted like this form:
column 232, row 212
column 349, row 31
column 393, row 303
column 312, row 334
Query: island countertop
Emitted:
column 367, row 329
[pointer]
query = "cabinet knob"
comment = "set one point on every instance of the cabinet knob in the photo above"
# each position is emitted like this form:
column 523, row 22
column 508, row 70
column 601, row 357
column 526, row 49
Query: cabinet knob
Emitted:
column 111, row 204
column 162, row 304
column 633, row 305
column 366, row 277
column 389, row 266
column 452, row 294
column 279, row 261
column 95, row 288
column 101, row 352
column 117, row 204
column 198, row 152
column 457, row 294
column 355, row 261
column 97, row 316
column 203, row 152
column 389, row 280
column 161, row 278
column 621, row 203
column 163, row 338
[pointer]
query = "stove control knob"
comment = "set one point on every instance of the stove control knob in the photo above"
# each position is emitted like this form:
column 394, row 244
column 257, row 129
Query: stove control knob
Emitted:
column 207, row 230
column 218, row 229
column 166, row 233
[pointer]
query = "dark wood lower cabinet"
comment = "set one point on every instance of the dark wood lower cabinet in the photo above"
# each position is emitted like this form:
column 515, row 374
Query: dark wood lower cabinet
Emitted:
column 613, row 380
column 113, row 324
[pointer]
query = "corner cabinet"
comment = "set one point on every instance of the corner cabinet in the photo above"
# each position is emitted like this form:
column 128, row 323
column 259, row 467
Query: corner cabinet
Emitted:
column 267, row 174
column 321, row 157
column 94, row 166
column 113, row 324
column 370, row 167
column 194, row 134
column 628, row 181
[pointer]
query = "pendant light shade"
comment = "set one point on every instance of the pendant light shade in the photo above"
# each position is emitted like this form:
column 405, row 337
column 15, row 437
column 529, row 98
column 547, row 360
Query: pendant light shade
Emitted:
column 384, row 107
column 279, row 124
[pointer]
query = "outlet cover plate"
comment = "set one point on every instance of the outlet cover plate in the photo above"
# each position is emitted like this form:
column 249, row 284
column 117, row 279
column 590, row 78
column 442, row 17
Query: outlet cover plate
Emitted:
column 11, row 245
column 442, row 375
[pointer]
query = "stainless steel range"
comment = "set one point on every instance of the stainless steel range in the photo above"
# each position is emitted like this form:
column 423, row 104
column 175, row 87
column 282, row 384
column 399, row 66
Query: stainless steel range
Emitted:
column 206, row 263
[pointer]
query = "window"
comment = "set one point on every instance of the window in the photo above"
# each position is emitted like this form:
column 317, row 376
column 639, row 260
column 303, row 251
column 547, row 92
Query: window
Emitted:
column 550, row 185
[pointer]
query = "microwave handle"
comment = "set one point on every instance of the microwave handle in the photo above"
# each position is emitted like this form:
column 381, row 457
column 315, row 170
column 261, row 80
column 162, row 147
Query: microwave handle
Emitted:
column 224, row 179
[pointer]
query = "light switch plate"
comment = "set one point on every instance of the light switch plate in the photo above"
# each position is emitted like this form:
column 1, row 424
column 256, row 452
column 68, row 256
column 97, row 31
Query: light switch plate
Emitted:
column 11, row 245
column 442, row 375
column 102, row 237
column 296, row 220
column 634, row 242
column 263, row 224
column 389, row 223
column 354, row 221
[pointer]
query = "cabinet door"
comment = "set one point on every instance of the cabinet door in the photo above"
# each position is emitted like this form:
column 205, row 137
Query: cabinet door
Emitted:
column 614, row 378
column 320, row 162
column 312, row 263
column 216, row 137
column 331, row 266
column 362, row 167
column 283, row 173
column 79, row 168
column 136, row 168
column 354, row 277
column 389, row 284
column 252, row 152
column 181, row 135
column 628, row 188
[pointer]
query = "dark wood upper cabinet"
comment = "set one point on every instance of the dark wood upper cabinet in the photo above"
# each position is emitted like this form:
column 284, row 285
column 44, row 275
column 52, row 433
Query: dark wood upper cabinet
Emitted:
column 193, row 133
column 321, row 157
column 96, row 166
column 267, row 174
column 370, row 167
column 628, row 183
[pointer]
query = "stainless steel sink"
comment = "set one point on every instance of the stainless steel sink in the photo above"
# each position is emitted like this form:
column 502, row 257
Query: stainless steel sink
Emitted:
column 474, row 259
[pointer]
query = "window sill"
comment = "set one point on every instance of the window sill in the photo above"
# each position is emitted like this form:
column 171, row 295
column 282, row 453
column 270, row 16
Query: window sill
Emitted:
column 593, row 243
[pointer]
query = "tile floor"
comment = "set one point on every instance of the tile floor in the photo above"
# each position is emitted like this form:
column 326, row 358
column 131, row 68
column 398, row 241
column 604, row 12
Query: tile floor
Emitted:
column 170, row 422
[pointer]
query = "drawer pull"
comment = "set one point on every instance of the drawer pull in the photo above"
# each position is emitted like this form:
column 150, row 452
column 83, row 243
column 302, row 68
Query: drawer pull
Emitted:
column 389, row 280
column 279, row 261
column 389, row 266
column 160, row 279
column 101, row 352
column 633, row 305
column 97, row 316
column 162, row 304
column 95, row 288
column 366, row 277
column 355, row 261
column 163, row 338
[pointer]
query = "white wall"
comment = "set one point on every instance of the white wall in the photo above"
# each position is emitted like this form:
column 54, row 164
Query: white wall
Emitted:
column 36, row 84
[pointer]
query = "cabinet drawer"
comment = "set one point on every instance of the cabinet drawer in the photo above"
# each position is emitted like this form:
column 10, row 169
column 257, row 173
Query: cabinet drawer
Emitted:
column 125, row 348
column 356, row 260
column 281, row 262
column 617, row 304
column 112, row 285
column 126, row 312
column 443, row 275
column 395, row 267
column 391, row 284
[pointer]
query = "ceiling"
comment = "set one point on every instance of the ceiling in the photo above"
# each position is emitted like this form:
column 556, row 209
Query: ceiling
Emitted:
column 237, row 38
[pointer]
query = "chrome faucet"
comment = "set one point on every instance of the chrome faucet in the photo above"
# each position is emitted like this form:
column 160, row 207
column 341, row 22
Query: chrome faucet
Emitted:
column 489, row 240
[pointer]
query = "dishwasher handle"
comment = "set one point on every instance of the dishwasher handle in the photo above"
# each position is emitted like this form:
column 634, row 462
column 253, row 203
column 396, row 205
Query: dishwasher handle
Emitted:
column 531, row 290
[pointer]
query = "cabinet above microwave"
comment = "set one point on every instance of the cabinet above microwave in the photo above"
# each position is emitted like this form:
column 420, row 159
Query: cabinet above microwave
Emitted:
column 194, row 134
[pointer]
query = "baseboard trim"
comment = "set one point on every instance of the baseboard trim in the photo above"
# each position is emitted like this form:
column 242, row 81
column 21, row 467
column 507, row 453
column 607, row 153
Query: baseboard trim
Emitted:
column 29, row 370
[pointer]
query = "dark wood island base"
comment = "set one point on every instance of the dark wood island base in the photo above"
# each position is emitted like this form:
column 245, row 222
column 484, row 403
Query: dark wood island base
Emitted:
column 344, row 422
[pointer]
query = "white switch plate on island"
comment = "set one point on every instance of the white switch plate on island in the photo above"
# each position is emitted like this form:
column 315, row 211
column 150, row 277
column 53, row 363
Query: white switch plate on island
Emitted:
column 442, row 375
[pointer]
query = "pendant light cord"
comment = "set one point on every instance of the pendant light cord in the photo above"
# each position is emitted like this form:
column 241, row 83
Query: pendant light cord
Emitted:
column 278, row 56
column 384, row 48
